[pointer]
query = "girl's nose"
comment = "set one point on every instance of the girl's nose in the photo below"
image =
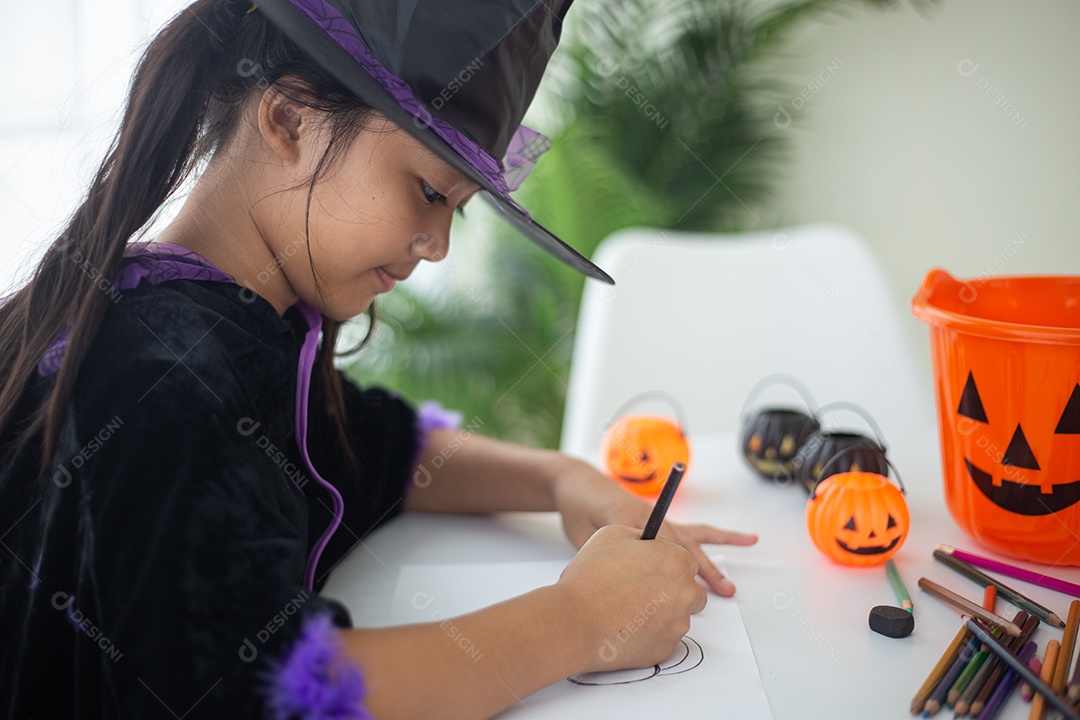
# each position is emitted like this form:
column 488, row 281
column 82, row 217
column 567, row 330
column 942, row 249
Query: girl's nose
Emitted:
column 430, row 247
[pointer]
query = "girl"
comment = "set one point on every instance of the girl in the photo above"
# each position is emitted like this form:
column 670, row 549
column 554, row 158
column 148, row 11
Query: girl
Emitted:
column 182, row 464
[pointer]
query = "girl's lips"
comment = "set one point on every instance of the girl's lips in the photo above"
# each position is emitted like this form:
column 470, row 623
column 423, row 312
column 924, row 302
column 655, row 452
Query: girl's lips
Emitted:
column 388, row 280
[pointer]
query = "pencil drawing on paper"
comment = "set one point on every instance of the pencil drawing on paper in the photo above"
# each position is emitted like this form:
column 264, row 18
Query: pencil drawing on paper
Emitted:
column 687, row 656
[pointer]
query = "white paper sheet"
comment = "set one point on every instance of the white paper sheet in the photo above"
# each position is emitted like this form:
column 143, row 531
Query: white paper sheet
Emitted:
column 713, row 674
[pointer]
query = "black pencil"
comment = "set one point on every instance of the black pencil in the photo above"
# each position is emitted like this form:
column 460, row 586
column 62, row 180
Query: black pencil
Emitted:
column 663, row 502
column 1021, row 668
column 964, row 702
column 1015, row 644
column 1016, row 598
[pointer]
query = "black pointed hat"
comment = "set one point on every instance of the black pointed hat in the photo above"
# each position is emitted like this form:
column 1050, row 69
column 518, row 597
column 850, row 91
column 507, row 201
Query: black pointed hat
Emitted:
column 457, row 76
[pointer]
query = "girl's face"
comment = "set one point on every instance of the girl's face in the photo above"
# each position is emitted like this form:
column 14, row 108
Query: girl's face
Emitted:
column 384, row 206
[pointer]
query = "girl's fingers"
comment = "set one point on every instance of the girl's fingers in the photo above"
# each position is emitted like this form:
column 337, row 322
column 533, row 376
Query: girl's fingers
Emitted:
column 712, row 576
column 702, row 600
column 685, row 535
column 709, row 535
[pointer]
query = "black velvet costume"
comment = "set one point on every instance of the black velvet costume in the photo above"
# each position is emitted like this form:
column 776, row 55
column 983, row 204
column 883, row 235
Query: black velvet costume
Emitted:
column 157, row 572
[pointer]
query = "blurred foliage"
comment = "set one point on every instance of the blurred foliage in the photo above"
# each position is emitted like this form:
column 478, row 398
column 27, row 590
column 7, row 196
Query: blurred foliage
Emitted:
column 667, row 113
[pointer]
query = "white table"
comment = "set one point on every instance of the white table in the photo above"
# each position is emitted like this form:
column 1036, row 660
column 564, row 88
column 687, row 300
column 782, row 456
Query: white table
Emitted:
column 805, row 615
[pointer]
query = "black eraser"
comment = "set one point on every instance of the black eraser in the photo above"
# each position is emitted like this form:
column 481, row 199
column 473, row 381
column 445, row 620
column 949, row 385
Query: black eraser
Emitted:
column 891, row 621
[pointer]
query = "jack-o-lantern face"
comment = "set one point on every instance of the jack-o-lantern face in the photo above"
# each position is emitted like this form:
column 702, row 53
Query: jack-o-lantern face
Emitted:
column 770, row 439
column 1011, row 451
column 857, row 518
column 639, row 450
column 1015, row 484
column 1006, row 354
column 851, row 543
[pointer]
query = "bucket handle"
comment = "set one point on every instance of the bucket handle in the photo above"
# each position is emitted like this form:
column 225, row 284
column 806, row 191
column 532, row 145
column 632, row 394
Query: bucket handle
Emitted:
column 780, row 379
column 822, row 477
column 861, row 412
column 666, row 397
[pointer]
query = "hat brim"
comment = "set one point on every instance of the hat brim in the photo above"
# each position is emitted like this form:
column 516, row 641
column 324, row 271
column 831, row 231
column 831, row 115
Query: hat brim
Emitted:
column 314, row 41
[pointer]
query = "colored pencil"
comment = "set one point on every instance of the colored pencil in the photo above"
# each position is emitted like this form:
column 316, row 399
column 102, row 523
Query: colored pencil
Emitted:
column 998, row 673
column 1035, row 578
column 967, row 676
column 968, row 607
column 1074, row 690
column 989, row 601
column 1016, row 598
column 663, row 502
column 938, row 697
column 947, row 659
column 1068, row 642
column 898, row 586
column 980, row 631
column 1036, row 667
column 1038, row 703
column 1074, row 684
column 971, row 692
column 1007, row 685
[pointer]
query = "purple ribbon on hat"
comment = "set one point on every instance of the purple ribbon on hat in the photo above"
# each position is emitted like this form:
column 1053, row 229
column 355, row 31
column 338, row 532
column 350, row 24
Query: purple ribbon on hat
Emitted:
column 525, row 148
column 160, row 262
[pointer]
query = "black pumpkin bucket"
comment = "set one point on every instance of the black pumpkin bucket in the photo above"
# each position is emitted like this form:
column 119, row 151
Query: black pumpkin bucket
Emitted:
column 772, row 435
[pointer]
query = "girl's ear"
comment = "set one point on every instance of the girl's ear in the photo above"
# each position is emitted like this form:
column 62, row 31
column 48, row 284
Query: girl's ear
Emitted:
column 282, row 122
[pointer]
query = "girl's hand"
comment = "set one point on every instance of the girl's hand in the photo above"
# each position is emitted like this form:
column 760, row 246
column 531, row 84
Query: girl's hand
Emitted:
column 631, row 600
column 588, row 501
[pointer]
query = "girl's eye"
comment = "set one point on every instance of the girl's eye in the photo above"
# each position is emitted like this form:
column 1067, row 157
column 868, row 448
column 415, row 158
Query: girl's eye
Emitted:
column 431, row 194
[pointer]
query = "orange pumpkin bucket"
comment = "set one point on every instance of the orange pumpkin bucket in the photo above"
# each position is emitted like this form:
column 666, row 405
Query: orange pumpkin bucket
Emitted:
column 857, row 518
column 638, row 449
column 1006, row 361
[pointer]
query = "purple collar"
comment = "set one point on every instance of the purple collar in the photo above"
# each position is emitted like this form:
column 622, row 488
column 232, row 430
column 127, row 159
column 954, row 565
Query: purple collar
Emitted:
column 160, row 262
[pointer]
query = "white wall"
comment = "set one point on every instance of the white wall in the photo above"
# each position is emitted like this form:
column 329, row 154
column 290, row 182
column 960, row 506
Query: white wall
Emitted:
column 901, row 141
column 65, row 73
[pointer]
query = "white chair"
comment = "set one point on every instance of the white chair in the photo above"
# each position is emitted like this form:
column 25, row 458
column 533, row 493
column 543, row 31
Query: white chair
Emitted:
column 705, row 317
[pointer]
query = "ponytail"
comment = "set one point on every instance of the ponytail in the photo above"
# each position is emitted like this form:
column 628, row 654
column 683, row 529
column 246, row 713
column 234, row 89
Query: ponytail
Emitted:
column 185, row 102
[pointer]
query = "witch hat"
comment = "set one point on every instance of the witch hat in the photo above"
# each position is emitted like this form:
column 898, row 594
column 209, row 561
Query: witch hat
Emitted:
column 456, row 75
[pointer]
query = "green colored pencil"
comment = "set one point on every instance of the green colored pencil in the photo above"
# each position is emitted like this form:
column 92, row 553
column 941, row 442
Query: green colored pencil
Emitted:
column 898, row 586
column 965, row 677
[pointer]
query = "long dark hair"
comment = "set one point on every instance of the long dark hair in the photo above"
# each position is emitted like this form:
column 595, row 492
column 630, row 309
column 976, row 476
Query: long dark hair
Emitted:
column 184, row 104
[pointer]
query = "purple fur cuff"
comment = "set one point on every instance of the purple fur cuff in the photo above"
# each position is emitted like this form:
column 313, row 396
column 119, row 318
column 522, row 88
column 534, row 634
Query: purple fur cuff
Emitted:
column 432, row 416
column 311, row 683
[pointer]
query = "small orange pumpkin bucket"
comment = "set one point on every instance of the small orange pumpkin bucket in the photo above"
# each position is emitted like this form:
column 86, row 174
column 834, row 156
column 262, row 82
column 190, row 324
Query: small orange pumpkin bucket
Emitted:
column 857, row 518
column 1006, row 361
column 637, row 449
